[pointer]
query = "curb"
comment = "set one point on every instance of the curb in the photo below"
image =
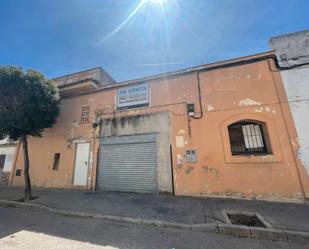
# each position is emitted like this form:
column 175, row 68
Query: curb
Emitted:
column 220, row 228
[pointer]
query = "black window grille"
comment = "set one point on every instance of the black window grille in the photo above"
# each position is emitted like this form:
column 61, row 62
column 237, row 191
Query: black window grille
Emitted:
column 246, row 137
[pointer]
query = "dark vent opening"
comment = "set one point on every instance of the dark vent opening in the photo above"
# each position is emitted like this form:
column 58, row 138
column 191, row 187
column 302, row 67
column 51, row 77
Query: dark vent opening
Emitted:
column 246, row 220
column 18, row 172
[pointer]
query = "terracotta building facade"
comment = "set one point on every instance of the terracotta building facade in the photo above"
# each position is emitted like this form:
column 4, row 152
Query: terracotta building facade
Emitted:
column 222, row 129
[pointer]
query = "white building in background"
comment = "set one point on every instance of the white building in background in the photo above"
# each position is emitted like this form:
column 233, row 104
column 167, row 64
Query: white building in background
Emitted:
column 292, row 52
column 7, row 153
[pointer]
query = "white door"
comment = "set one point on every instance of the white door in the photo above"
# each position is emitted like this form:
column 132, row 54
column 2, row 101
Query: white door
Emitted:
column 81, row 164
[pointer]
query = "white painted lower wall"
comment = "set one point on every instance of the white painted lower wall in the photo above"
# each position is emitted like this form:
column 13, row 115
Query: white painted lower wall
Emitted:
column 296, row 84
column 9, row 152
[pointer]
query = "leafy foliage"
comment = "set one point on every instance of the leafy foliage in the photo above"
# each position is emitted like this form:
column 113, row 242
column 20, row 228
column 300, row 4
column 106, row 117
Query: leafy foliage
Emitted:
column 29, row 102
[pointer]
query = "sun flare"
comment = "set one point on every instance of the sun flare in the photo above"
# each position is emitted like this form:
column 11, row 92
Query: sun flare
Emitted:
column 156, row 1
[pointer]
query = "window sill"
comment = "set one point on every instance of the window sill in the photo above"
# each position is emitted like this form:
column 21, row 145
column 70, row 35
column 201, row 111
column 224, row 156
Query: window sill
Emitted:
column 255, row 155
column 256, row 158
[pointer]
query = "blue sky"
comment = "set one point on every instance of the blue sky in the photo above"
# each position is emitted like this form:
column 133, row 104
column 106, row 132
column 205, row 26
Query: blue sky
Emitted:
column 130, row 39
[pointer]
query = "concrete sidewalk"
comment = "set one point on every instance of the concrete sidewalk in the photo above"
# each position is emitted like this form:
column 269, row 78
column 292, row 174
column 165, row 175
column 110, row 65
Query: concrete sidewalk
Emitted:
column 188, row 210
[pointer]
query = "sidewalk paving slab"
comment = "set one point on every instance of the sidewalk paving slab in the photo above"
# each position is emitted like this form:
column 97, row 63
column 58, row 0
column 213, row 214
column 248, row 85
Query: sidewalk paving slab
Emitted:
column 272, row 234
column 160, row 210
column 234, row 230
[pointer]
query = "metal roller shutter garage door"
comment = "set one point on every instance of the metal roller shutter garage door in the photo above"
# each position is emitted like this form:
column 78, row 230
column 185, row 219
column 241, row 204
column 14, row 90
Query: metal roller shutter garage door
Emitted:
column 128, row 163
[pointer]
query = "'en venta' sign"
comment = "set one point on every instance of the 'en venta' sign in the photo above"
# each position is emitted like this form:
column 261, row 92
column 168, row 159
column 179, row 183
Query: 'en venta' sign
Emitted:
column 133, row 96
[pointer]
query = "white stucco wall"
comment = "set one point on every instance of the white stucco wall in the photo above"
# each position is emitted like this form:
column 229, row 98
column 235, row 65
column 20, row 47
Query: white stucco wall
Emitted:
column 296, row 82
column 4, row 141
column 9, row 152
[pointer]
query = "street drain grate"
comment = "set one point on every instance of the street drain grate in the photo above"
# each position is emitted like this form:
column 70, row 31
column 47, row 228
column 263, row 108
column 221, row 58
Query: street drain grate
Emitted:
column 245, row 219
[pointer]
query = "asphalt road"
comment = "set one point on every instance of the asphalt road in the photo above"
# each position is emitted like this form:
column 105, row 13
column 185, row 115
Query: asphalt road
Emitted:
column 31, row 229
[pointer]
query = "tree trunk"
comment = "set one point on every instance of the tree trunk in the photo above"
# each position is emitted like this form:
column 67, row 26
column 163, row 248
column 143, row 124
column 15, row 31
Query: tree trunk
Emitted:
column 27, row 192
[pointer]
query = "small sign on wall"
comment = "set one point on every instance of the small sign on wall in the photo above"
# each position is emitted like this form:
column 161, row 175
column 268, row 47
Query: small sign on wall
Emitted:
column 133, row 96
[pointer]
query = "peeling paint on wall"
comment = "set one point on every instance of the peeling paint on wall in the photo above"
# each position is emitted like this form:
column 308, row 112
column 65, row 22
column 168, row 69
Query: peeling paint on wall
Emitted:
column 248, row 102
column 71, row 133
column 208, row 170
column 188, row 170
column 180, row 142
column 73, row 140
column 181, row 131
column 259, row 109
column 266, row 109
column 210, row 108
column 228, row 78
column 179, row 161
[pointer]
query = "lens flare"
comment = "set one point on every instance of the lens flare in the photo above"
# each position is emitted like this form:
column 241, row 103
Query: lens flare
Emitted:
column 137, row 9
column 156, row 1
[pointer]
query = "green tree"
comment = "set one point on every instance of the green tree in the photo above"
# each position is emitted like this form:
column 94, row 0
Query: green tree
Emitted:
column 29, row 103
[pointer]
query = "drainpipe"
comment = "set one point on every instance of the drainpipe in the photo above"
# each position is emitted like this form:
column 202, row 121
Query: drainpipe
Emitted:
column 95, row 125
column 200, row 104
column 199, row 96
column 172, row 169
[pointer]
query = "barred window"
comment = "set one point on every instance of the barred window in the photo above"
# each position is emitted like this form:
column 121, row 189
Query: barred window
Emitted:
column 248, row 138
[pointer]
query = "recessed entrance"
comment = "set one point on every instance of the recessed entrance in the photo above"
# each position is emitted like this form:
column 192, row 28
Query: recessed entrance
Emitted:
column 128, row 164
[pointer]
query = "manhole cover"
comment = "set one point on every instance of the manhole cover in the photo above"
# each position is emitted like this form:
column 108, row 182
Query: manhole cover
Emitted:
column 250, row 220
